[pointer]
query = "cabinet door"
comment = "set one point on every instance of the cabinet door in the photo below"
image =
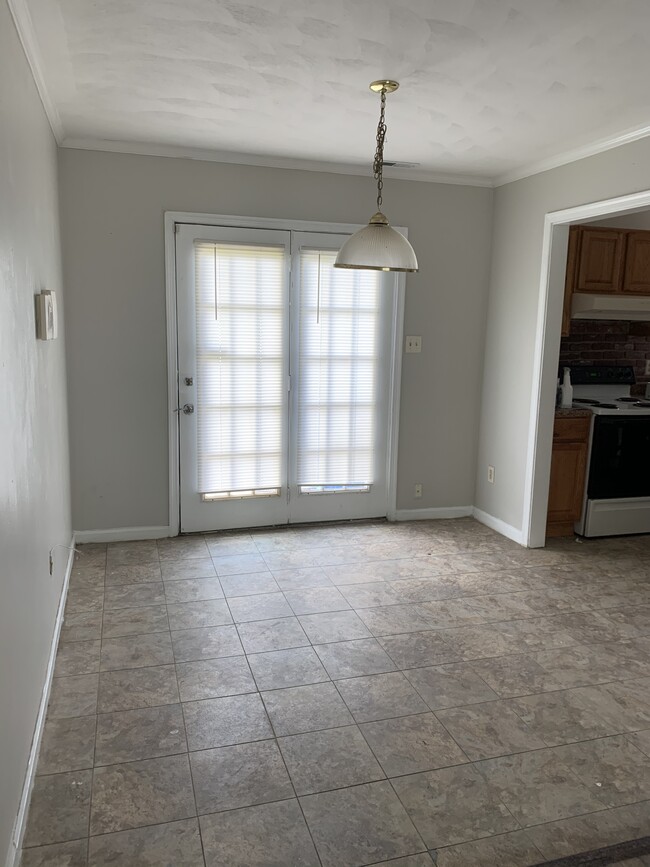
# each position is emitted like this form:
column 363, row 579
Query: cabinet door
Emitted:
column 600, row 268
column 568, row 466
column 637, row 264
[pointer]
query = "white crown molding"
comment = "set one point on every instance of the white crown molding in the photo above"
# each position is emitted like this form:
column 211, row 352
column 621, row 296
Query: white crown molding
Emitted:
column 27, row 35
column 229, row 157
column 572, row 156
column 216, row 156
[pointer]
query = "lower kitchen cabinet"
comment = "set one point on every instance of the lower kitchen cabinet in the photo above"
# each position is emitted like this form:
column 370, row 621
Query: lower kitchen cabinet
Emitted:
column 568, row 471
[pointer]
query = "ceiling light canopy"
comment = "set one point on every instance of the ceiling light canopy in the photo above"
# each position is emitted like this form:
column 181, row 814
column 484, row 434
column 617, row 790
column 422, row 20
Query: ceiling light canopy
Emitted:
column 378, row 247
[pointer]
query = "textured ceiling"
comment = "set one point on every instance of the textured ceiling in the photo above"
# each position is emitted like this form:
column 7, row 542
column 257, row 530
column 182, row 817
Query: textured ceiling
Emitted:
column 486, row 85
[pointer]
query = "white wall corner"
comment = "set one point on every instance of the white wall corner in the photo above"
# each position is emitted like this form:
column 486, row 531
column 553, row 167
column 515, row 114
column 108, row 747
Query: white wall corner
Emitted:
column 429, row 514
column 122, row 534
column 16, row 842
column 500, row 526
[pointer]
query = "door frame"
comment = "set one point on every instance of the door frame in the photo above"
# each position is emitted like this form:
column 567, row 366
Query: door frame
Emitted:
column 547, row 348
column 171, row 218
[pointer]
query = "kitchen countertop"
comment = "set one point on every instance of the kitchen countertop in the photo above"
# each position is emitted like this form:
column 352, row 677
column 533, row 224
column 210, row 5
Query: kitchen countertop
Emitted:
column 571, row 412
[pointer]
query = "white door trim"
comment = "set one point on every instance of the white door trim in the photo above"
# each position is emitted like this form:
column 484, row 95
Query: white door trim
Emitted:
column 547, row 342
column 170, row 221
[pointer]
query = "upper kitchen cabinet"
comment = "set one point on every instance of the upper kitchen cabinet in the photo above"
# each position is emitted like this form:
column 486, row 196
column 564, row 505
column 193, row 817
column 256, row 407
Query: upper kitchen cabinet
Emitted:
column 600, row 260
column 637, row 263
column 603, row 261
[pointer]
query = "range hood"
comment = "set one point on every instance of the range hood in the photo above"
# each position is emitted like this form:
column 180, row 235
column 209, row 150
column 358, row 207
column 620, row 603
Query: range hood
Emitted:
column 585, row 306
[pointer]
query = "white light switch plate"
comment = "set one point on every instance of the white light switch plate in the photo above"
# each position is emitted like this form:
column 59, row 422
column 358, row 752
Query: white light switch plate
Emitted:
column 414, row 344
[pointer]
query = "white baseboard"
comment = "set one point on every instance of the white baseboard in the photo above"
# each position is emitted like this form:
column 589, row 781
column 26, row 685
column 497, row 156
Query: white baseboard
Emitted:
column 500, row 526
column 122, row 534
column 15, row 845
column 429, row 514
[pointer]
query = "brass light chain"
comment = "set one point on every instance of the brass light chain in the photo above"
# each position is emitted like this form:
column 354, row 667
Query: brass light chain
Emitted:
column 378, row 165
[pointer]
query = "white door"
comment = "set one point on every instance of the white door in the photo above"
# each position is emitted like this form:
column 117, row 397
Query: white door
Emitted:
column 341, row 363
column 284, row 368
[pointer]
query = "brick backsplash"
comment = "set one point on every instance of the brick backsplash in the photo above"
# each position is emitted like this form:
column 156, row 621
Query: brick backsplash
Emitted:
column 608, row 341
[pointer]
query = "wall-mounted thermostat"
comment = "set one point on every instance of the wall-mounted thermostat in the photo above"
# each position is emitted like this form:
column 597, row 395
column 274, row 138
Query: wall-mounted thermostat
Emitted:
column 46, row 315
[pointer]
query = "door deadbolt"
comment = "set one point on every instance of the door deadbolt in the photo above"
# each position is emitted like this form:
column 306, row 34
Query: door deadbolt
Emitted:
column 188, row 408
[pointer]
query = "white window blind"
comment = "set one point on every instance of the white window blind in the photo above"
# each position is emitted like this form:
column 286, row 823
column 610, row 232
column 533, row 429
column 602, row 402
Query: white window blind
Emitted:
column 340, row 317
column 240, row 389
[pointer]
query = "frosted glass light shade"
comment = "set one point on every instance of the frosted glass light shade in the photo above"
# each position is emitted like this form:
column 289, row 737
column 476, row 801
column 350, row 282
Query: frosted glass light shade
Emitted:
column 377, row 247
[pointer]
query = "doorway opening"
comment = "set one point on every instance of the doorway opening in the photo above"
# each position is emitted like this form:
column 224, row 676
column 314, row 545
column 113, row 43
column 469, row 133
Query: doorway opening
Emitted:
column 547, row 349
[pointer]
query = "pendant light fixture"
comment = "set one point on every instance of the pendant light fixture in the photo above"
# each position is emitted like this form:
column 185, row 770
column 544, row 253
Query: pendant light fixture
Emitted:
column 378, row 247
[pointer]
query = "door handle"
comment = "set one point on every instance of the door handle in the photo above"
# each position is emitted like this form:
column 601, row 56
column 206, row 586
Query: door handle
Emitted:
column 187, row 408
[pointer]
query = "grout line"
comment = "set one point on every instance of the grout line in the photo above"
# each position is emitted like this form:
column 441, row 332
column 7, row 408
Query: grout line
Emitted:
column 284, row 762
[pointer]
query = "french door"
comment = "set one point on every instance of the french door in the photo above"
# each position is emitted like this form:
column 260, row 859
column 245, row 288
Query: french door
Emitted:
column 284, row 379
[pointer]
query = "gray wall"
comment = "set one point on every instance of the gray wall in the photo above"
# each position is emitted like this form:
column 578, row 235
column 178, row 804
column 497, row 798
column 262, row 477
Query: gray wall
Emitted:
column 519, row 210
column 639, row 220
column 112, row 209
column 34, row 496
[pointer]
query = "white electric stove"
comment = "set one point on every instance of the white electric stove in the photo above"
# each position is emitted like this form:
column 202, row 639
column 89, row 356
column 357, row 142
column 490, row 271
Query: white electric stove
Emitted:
column 617, row 490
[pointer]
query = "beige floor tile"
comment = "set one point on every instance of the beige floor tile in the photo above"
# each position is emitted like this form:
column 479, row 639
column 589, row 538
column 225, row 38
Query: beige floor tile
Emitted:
column 239, row 776
column 218, row 722
column 169, row 845
column 145, row 733
column 278, row 669
column 411, row 744
column 505, row 850
column 489, row 729
column 138, row 687
column 258, row 836
column 453, row 805
column 361, row 824
column 135, row 621
column 330, row 759
column 380, row 696
column 614, row 770
column 453, row 685
column 67, row 745
column 306, row 708
column 73, row 696
column 354, row 658
column 279, row 633
column 212, row 678
column 59, row 808
column 538, row 787
column 71, row 854
column 134, row 794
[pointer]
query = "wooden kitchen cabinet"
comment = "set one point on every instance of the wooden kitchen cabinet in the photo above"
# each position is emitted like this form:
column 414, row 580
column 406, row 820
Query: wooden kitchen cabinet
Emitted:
column 607, row 262
column 636, row 279
column 568, row 473
column 600, row 263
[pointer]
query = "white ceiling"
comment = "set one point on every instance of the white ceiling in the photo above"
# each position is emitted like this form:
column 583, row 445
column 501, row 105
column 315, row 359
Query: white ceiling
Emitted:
column 489, row 88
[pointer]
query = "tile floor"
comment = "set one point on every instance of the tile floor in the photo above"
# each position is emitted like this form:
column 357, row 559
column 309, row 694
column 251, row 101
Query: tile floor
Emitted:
column 348, row 695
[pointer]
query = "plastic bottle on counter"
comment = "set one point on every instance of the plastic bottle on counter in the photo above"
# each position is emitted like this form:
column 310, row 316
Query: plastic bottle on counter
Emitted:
column 567, row 390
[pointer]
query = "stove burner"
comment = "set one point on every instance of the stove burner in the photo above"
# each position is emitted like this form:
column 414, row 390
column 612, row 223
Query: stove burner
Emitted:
column 587, row 401
column 627, row 399
column 608, row 405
